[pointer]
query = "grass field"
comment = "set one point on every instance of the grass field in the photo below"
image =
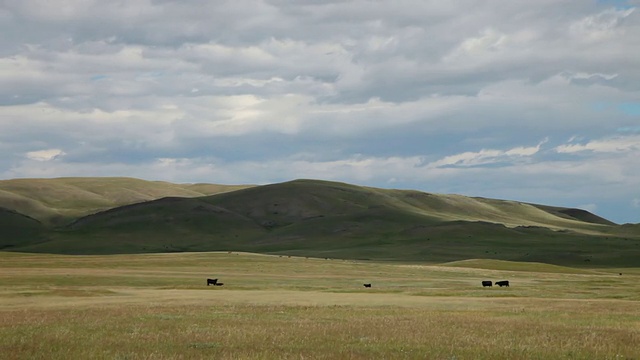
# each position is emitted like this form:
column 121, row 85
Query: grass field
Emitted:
column 157, row 306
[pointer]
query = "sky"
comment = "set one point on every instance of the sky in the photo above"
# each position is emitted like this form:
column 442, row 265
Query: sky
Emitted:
column 532, row 101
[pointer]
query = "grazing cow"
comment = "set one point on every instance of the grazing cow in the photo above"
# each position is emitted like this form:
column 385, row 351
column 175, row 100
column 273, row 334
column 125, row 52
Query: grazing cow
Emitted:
column 212, row 282
column 486, row 283
column 502, row 283
column 219, row 284
column 367, row 285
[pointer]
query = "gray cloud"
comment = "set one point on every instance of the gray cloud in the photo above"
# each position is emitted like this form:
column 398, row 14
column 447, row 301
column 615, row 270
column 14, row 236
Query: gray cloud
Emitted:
column 360, row 91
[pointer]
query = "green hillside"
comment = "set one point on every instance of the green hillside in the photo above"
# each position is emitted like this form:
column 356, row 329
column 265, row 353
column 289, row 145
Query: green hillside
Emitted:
column 58, row 201
column 336, row 220
column 18, row 230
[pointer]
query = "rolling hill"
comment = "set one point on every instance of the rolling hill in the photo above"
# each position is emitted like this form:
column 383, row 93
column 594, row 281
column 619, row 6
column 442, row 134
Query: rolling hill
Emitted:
column 337, row 220
column 19, row 230
column 58, row 201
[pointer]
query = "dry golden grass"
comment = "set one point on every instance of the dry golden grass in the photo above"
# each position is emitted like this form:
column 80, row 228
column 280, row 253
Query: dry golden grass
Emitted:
column 158, row 307
column 239, row 331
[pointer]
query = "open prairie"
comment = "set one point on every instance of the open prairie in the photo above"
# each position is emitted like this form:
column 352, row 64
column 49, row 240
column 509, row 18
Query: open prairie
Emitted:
column 314, row 218
column 157, row 306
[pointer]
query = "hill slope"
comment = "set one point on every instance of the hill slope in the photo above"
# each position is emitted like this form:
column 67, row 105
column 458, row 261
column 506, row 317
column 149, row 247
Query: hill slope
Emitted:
column 328, row 219
column 307, row 218
column 18, row 230
column 60, row 200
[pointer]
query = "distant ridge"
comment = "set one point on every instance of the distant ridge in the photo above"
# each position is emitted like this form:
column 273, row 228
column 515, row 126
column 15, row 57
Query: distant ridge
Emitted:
column 576, row 214
column 501, row 265
column 321, row 219
column 59, row 200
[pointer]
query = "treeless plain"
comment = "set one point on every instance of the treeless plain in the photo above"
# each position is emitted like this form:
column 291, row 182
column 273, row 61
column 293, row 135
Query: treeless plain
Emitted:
column 157, row 306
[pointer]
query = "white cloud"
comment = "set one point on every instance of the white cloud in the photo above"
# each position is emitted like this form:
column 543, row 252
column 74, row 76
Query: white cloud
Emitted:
column 601, row 26
column 45, row 155
column 489, row 40
column 487, row 157
column 481, row 157
column 617, row 144
column 582, row 75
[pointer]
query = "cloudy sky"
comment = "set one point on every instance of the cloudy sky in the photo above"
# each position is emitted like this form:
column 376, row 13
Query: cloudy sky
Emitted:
column 535, row 101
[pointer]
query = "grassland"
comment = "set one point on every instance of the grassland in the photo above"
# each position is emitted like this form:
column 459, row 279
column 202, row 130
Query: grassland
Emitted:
column 302, row 218
column 60, row 200
column 157, row 306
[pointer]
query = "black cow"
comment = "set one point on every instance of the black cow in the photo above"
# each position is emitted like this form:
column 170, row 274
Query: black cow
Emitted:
column 502, row 283
column 219, row 284
column 367, row 285
column 212, row 282
column 486, row 283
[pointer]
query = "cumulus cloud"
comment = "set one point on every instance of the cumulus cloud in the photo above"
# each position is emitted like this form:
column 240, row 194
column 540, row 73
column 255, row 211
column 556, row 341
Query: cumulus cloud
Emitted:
column 425, row 94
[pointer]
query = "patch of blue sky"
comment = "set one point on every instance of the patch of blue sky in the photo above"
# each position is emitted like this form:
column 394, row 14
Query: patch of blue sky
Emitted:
column 629, row 129
column 620, row 4
column 99, row 77
column 630, row 108
column 151, row 75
